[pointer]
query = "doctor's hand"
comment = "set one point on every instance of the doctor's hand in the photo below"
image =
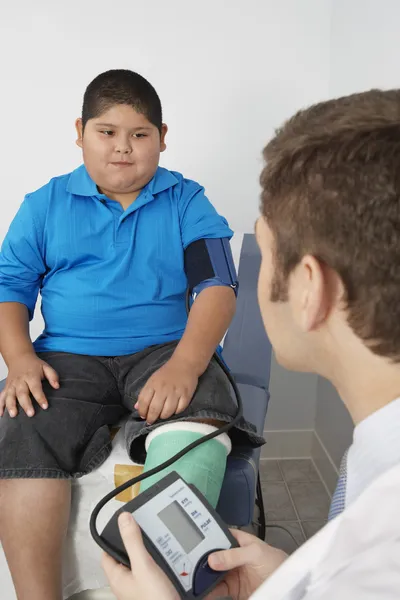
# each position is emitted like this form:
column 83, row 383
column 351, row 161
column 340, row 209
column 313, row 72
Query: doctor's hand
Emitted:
column 249, row 566
column 168, row 391
column 146, row 581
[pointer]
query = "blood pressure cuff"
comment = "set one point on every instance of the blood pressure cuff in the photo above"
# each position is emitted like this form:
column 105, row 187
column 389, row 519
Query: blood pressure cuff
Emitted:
column 208, row 263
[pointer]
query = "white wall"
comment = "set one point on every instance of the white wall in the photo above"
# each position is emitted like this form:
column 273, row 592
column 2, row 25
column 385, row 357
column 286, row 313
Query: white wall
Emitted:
column 228, row 72
column 365, row 45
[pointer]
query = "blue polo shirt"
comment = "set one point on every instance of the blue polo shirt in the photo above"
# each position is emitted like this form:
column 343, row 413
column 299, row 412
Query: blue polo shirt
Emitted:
column 112, row 281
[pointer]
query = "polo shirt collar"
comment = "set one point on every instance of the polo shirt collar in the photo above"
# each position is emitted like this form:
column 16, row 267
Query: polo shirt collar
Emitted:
column 162, row 180
column 81, row 184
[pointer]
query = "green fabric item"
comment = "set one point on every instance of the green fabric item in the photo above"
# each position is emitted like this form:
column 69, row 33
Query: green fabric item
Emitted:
column 203, row 466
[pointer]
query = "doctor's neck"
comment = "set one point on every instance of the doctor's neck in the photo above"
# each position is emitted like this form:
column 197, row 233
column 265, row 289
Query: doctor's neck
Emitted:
column 365, row 381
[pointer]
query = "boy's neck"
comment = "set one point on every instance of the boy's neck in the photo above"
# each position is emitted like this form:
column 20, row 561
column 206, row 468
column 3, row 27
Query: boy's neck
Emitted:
column 125, row 200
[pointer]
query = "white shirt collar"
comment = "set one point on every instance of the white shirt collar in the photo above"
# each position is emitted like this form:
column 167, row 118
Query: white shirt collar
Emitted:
column 375, row 449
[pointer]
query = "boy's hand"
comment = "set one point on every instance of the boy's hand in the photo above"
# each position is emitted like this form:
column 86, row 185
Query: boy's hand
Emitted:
column 25, row 377
column 168, row 391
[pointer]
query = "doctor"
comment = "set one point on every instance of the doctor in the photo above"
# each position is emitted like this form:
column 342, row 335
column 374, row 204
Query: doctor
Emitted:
column 329, row 292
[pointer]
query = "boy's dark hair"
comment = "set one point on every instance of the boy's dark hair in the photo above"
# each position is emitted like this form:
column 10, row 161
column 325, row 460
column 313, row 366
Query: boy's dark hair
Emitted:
column 121, row 86
column 331, row 188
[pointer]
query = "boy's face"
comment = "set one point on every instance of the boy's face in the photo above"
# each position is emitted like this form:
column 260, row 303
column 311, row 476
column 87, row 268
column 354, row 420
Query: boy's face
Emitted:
column 293, row 326
column 121, row 150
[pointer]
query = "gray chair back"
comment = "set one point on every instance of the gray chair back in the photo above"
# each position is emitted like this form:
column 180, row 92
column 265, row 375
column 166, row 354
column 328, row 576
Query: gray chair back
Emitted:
column 247, row 349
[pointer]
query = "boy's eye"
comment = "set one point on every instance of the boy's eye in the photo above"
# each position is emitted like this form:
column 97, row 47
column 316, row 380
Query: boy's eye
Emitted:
column 107, row 132
column 139, row 135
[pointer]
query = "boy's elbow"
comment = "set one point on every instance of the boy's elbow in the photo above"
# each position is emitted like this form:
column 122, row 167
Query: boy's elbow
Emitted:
column 221, row 298
column 19, row 295
column 226, row 298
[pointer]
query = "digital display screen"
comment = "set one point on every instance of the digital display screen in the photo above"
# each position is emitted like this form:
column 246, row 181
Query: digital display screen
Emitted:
column 181, row 526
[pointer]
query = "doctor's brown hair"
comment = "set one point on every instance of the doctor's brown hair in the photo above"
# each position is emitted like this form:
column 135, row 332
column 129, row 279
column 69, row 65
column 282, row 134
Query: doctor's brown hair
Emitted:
column 331, row 188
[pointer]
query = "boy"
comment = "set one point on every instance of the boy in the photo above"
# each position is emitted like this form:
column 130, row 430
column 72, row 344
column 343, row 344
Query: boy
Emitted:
column 112, row 248
column 328, row 290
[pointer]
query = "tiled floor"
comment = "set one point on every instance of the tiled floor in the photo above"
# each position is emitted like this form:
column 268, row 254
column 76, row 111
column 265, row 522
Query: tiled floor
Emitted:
column 294, row 498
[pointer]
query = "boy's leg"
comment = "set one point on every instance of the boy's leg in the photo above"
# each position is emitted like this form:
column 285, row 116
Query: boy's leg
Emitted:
column 38, row 457
column 33, row 523
column 213, row 403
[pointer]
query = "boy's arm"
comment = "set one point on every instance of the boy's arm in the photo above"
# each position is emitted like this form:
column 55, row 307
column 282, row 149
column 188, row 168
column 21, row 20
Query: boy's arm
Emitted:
column 21, row 270
column 172, row 387
column 209, row 319
column 14, row 331
column 25, row 369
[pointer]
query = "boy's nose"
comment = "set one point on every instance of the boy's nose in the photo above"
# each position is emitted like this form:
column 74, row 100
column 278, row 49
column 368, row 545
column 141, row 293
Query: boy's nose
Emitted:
column 123, row 149
column 122, row 145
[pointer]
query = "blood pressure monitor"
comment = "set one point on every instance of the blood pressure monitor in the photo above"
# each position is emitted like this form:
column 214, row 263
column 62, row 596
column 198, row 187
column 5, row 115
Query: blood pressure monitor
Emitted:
column 180, row 530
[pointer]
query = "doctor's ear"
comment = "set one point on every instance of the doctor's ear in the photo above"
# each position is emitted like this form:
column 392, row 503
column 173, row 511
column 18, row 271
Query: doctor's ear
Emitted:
column 311, row 293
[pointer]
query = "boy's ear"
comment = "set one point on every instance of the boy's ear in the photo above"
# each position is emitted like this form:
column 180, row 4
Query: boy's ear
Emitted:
column 79, row 132
column 164, row 130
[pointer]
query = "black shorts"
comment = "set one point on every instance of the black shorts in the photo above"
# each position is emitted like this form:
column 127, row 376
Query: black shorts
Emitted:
column 72, row 437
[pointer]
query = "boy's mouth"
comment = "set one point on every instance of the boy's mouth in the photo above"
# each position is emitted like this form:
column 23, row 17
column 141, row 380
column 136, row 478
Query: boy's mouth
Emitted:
column 122, row 164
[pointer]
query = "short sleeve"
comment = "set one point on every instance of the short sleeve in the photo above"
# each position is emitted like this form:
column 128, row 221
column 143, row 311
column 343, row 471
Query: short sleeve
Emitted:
column 21, row 262
column 198, row 217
